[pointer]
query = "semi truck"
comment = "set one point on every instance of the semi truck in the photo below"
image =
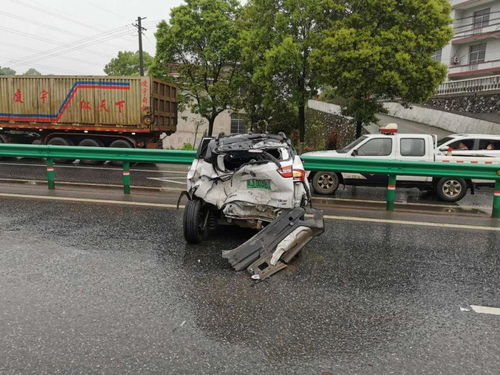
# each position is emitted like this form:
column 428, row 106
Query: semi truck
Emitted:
column 130, row 112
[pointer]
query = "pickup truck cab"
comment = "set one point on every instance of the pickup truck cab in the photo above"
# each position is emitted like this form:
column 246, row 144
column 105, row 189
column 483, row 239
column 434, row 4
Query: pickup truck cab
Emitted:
column 390, row 145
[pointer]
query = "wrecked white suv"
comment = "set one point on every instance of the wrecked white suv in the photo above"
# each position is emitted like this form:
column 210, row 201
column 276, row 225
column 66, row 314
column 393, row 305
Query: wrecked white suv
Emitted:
column 245, row 179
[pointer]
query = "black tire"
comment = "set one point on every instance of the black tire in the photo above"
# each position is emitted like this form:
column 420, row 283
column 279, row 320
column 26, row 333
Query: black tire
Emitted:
column 325, row 182
column 451, row 189
column 120, row 143
column 90, row 142
column 194, row 221
column 60, row 141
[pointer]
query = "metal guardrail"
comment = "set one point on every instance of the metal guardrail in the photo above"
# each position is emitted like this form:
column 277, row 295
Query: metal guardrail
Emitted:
column 315, row 163
column 472, row 85
column 125, row 155
column 393, row 168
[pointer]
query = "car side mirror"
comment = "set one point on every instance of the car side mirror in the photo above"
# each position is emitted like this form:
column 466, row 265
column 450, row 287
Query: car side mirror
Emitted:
column 354, row 153
column 444, row 149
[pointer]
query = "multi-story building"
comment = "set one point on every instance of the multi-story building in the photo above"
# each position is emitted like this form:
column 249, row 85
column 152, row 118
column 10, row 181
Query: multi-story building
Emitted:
column 474, row 50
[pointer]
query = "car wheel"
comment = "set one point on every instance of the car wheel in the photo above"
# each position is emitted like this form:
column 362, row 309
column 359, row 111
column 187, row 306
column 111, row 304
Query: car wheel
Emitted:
column 325, row 182
column 194, row 221
column 451, row 189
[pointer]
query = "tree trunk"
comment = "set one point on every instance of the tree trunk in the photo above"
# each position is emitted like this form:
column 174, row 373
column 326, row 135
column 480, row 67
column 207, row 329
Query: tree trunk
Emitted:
column 359, row 126
column 211, row 121
column 302, row 122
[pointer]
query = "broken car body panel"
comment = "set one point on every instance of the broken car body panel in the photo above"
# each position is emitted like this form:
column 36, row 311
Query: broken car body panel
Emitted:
column 248, row 177
column 256, row 181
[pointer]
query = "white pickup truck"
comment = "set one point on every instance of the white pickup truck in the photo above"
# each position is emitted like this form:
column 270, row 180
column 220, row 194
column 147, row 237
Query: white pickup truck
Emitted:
column 457, row 148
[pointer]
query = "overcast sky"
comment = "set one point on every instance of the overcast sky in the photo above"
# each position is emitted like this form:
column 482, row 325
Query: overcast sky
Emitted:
column 74, row 37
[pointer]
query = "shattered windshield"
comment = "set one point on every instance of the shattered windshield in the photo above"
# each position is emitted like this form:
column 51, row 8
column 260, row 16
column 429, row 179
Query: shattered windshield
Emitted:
column 228, row 154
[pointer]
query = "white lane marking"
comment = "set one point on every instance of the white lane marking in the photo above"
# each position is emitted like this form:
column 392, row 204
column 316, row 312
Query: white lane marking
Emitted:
column 156, row 188
column 100, row 168
column 89, row 200
column 166, row 180
column 330, row 217
column 405, row 222
column 485, row 310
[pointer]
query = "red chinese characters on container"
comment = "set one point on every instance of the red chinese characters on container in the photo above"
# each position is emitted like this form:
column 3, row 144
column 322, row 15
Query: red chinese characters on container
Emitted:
column 85, row 105
column 44, row 95
column 145, row 92
column 103, row 106
column 18, row 96
column 120, row 104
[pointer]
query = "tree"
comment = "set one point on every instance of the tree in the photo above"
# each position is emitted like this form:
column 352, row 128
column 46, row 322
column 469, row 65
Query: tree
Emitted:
column 382, row 49
column 32, row 72
column 198, row 50
column 127, row 64
column 7, row 71
column 277, row 38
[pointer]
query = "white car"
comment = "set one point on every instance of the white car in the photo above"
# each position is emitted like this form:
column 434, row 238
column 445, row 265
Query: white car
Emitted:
column 474, row 148
column 245, row 179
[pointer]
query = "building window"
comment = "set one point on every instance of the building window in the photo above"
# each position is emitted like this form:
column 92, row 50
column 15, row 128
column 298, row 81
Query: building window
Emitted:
column 238, row 124
column 481, row 18
column 477, row 53
column 437, row 55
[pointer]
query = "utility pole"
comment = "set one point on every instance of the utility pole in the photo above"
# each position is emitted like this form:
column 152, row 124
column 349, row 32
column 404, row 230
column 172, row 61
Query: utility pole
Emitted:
column 140, row 29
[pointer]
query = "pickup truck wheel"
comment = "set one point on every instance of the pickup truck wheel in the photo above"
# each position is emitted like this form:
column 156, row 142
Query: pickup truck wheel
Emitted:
column 325, row 182
column 451, row 189
column 194, row 221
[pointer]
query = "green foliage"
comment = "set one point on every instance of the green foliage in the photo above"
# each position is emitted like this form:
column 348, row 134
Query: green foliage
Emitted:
column 127, row 64
column 382, row 49
column 32, row 72
column 187, row 146
column 198, row 50
column 7, row 71
column 277, row 38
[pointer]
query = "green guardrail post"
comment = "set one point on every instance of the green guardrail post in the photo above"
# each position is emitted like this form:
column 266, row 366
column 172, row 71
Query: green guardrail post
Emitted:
column 126, row 177
column 51, row 174
column 391, row 192
column 496, row 201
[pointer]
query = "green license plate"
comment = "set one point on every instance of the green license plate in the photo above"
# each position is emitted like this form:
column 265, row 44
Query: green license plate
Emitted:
column 259, row 184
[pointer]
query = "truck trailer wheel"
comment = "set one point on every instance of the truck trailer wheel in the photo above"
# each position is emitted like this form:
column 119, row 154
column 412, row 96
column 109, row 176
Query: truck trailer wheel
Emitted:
column 451, row 189
column 90, row 142
column 194, row 221
column 120, row 143
column 325, row 182
column 60, row 141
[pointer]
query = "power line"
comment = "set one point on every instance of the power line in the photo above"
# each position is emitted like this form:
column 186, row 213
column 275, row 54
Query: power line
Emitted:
column 47, row 26
column 75, row 48
column 28, row 35
column 56, row 14
column 38, row 51
column 82, row 43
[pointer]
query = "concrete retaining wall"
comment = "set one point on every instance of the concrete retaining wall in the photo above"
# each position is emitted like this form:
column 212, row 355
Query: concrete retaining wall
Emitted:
column 444, row 120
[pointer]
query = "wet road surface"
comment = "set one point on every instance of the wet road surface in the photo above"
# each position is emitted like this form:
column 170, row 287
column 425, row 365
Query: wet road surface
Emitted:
column 113, row 289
